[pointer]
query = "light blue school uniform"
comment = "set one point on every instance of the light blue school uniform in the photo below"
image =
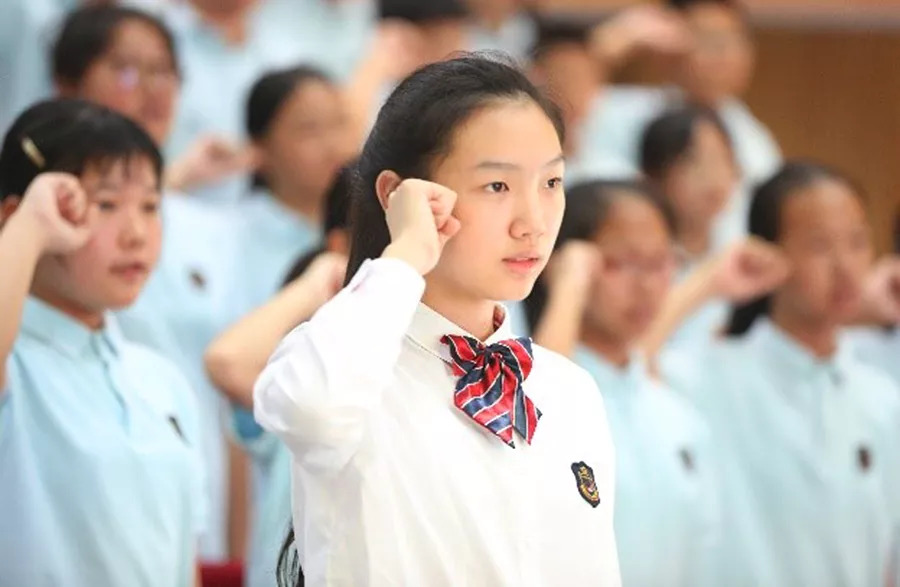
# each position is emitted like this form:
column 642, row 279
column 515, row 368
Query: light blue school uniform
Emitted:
column 270, row 237
column 810, row 455
column 185, row 304
column 270, row 519
column 879, row 348
column 516, row 37
column 667, row 513
column 101, row 480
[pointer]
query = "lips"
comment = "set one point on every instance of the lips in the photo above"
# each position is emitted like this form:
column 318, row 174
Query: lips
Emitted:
column 523, row 263
column 130, row 271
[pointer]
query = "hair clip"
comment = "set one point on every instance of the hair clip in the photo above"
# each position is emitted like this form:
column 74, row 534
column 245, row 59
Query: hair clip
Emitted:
column 33, row 153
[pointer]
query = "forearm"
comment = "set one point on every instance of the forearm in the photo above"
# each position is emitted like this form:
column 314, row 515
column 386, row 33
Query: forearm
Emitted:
column 684, row 299
column 235, row 359
column 559, row 327
column 19, row 254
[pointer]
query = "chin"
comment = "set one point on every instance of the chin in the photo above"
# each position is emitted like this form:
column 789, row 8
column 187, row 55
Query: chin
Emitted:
column 120, row 300
column 513, row 292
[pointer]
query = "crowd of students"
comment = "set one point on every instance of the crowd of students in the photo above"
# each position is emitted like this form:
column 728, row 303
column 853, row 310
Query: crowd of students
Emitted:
column 183, row 184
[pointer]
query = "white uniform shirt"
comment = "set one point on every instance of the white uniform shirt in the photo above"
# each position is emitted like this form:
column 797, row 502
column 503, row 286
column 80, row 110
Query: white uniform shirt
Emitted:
column 393, row 485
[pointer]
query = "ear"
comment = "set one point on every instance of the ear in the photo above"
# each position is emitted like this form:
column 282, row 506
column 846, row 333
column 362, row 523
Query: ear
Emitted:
column 7, row 207
column 386, row 182
column 337, row 241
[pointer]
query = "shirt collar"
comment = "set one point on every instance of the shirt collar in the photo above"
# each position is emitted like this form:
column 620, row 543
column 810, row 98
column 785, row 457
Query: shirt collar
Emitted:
column 47, row 324
column 610, row 377
column 793, row 357
column 428, row 327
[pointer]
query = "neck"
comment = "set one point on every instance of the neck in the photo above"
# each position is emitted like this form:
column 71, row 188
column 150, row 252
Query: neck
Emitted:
column 474, row 316
column 92, row 319
column 616, row 352
column 232, row 27
column 305, row 204
column 820, row 338
column 695, row 240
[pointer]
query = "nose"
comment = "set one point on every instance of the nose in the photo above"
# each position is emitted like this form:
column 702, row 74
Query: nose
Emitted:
column 134, row 229
column 530, row 216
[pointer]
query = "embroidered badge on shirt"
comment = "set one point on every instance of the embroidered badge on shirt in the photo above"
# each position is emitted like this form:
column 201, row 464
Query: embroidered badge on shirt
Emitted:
column 864, row 458
column 197, row 279
column 587, row 486
column 687, row 460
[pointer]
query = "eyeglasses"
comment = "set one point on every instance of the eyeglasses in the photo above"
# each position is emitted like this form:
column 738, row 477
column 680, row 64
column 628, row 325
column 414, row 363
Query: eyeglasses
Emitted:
column 129, row 74
column 630, row 266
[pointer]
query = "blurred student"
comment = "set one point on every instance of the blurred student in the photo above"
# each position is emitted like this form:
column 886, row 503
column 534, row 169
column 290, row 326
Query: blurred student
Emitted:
column 236, row 358
column 687, row 154
column 125, row 59
column 102, row 480
column 606, row 283
column 807, row 435
column 297, row 124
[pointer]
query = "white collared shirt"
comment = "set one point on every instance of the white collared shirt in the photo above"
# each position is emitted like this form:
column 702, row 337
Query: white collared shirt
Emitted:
column 393, row 485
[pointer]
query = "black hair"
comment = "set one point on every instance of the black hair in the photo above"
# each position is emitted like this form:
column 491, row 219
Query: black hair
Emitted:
column 337, row 217
column 289, row 573
column 422, row 11
column 552, row 32
column 415, row 128
column 588, row 206
column 68, row 135
column 669, row 137
column 268, row 96
column 765, row 223
column 87, row 34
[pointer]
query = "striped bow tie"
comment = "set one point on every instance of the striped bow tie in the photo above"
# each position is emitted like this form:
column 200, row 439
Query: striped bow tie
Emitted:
column 489, row 388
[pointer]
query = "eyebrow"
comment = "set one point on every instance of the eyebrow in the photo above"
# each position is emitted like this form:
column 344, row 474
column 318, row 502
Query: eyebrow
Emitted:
column 505, row 166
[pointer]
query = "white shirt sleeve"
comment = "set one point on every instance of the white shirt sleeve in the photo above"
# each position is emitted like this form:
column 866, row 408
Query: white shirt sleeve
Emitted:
column 327, row 376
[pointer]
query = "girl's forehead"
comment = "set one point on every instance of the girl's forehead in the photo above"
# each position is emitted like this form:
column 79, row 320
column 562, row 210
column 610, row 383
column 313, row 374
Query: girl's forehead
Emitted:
column 127, row 169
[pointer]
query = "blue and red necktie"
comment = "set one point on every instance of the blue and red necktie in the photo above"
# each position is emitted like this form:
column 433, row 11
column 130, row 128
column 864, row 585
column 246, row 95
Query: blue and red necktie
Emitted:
column 489, row 388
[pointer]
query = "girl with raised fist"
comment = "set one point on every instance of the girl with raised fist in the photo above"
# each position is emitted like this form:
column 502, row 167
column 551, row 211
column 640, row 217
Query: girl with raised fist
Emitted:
column 430, row 447
column 807, row 435
column 102, row 481
column 606, row 283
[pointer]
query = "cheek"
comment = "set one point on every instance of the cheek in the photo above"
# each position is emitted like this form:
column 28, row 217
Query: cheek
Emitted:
column 811, row 277
column 554, row 206
column 154, row 239
column 101, row 87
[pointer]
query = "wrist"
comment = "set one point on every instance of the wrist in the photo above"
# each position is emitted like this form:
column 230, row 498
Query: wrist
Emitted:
column 411, row 254
column 27, row 234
